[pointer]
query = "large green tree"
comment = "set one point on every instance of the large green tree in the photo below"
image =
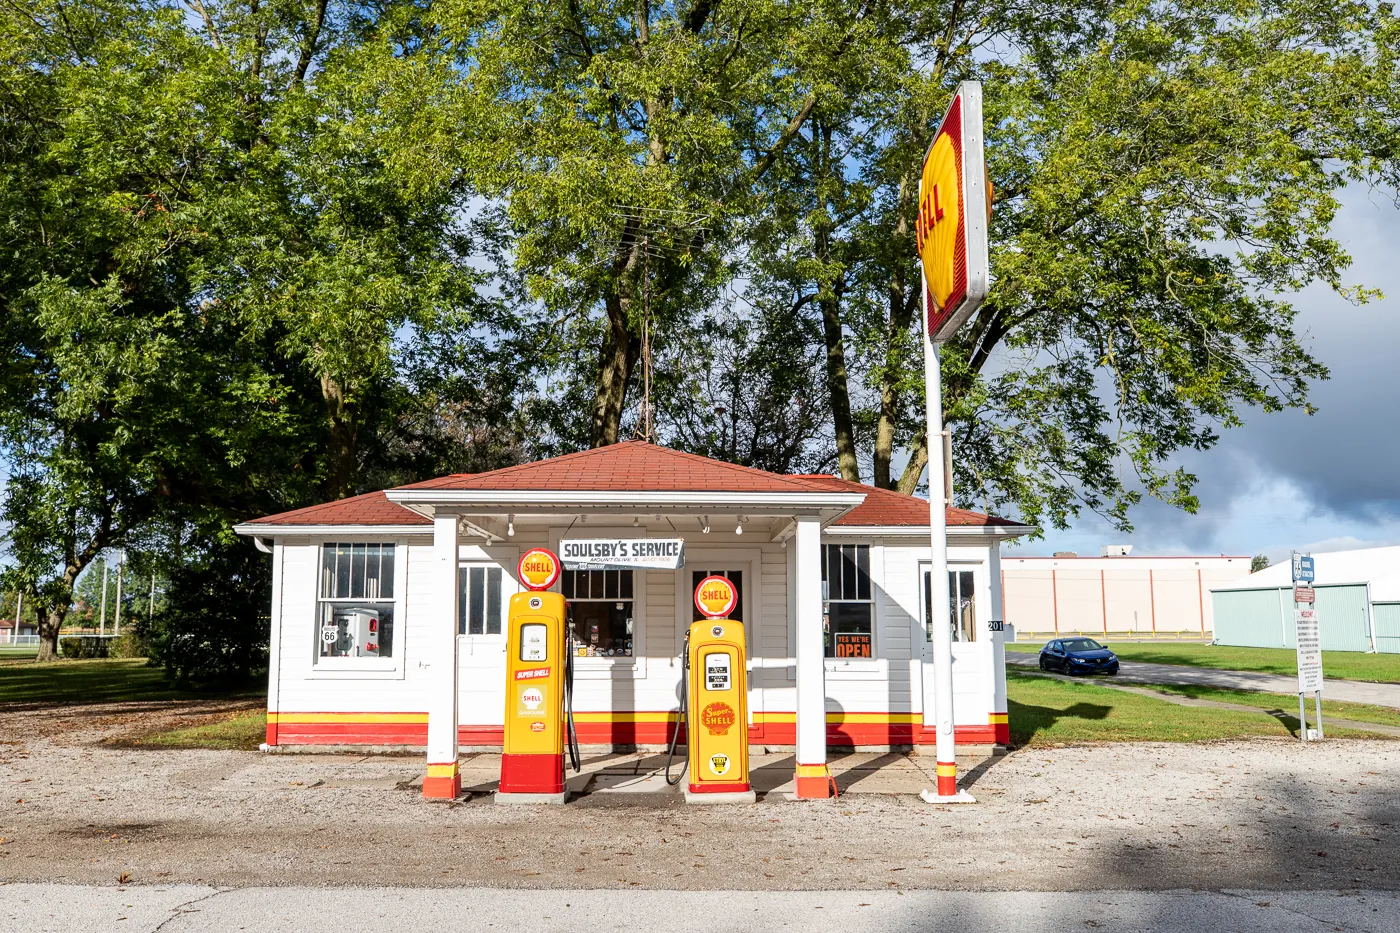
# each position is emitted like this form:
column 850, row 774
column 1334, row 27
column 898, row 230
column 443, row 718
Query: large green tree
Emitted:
column 1166, row 174
column 215, row 242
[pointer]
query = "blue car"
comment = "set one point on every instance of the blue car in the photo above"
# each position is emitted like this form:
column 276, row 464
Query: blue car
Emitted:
column 1077, row 655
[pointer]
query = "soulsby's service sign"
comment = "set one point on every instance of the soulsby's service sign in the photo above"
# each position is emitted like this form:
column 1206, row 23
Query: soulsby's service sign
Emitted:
column 623, row 553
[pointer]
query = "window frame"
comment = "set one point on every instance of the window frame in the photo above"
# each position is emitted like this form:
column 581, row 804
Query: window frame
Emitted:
column 955, row 565
column 624, row 662
column 391, row 668
column 873, row 566
column 508, row 589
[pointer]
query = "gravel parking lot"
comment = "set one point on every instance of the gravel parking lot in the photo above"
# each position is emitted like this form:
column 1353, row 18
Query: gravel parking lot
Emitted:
column 1261, row 814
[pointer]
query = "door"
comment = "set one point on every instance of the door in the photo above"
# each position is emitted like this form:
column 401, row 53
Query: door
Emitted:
column 483, row 596
column 742, row 613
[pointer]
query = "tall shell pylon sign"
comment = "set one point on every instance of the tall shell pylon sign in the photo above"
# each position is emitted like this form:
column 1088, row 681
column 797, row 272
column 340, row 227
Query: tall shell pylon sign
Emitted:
column 954, row 204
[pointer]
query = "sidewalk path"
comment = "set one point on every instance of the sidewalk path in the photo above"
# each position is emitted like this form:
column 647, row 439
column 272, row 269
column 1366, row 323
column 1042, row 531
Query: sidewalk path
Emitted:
column 54, row 908
column 1348, row 691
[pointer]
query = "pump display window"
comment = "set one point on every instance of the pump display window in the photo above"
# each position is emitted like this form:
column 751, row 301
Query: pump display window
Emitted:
column 356, row 601
column 600, row 611
column 849, row 606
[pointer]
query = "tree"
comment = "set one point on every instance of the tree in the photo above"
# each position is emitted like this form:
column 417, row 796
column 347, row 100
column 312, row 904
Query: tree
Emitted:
column 1165, row 173
column 1258, row 562
column 213, row 247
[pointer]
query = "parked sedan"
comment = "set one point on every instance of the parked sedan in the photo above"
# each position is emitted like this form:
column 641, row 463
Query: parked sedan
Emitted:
column 1077, row 656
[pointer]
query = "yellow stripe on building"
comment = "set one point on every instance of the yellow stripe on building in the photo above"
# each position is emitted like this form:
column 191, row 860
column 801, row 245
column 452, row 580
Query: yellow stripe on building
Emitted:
column 347, row 718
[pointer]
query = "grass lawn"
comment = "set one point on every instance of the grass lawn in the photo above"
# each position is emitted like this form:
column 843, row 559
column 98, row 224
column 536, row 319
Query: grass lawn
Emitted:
column 93, row 681
column 1045, row 711
column 1288, row 702
column 1343, row 665
column 245, row 730
column 18, row 652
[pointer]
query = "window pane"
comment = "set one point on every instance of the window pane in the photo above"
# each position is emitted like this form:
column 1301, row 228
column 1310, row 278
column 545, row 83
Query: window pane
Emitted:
column 610, row 584
column 386, row 571
column 342, row 570
column 372, row 571
column 967, row 606
column 928, row 606
column 601, row 629
column 493, row 601
column 737, row 578
column 462, row 591
column 862, row 571
column 328, row 570
column 356, row 630
column 595, row 584
column 357, row 573
column 848, row 573
column 850, row 630
column 626, row 590
column 566, row 584
column 476, row 615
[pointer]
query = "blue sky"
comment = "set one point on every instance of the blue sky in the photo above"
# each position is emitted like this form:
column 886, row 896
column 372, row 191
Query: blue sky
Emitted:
column 1284, row 481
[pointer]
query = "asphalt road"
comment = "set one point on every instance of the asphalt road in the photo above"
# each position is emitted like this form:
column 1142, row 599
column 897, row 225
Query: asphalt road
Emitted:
column 1348, row 691
column 48, row 908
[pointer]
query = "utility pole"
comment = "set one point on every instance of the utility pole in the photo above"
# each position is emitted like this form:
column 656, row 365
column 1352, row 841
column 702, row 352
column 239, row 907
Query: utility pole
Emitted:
column 121, row 568
column 102, row 626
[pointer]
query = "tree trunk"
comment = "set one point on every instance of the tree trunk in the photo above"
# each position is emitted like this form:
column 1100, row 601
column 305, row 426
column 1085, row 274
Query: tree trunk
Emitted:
column 901, row 313
column 50, row 621
column 343, row 442
column 914, row 470
column 839, row 388
column 615, row 361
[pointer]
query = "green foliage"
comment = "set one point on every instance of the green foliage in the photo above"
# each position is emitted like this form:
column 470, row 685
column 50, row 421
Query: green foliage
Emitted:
column 1258, row 562
column 215, row 629
column 83, row 647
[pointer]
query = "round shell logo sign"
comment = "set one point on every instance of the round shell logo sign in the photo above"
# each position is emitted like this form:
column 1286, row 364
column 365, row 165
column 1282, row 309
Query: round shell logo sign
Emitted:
column 717, row 718
column 532, row 697
column 716, row 597
column 539, row 568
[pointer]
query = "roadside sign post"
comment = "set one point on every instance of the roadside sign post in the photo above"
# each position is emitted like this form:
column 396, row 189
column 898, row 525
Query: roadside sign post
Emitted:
column 1307, row 638
column 951, row 236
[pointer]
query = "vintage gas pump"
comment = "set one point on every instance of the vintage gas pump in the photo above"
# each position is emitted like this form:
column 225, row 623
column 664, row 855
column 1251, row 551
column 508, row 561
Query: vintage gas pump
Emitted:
column 539, row 688
column 714, row 700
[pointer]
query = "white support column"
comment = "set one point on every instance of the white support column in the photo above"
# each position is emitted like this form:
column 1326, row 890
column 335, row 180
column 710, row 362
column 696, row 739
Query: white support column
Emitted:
column 1001, row 727
column 274, row 645
column 443, row 779
column 811, row 780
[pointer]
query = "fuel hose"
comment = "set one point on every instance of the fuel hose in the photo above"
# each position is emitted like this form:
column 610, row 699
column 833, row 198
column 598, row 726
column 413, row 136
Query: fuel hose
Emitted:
column 681, row 717
column 572, row 738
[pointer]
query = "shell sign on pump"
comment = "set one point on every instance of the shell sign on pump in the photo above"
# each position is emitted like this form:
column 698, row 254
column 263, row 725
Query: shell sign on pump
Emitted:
column 716, row 597
column 539, row 568
column 951, row 228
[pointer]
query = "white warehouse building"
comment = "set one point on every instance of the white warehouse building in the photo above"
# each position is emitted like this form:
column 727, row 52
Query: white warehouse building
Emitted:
column 1116, row 595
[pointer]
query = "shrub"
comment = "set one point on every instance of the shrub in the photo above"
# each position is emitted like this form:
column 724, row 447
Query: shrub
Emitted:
column 129, row 644
column 83, row 647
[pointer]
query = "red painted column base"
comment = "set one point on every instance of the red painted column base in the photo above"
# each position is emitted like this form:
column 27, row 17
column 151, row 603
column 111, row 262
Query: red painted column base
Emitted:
column 444, row 782
column 812, row 782
column 271, row 731
column 947, row 779
column 532, row 774
column 1001, row 731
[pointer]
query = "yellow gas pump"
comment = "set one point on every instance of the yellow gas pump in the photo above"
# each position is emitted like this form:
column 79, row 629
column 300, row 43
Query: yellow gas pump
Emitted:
column 715, row 700
column 538, row 686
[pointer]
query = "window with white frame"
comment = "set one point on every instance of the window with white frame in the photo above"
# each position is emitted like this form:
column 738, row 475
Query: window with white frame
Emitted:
column 848, row 615
column 600, row 604
column 356, row 601
column 962, row 604
column 479, row 606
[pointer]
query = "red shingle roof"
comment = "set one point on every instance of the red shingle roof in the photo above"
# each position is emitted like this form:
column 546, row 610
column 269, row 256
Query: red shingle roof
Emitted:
column 370, row 509
column 887, row 507
column 631, row 466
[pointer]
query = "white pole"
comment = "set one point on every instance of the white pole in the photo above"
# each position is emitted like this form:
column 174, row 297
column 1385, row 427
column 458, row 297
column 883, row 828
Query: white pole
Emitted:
column 19, row 614
column 102, row 625
column 151, row 611
column 121, row 568
column 945, row 746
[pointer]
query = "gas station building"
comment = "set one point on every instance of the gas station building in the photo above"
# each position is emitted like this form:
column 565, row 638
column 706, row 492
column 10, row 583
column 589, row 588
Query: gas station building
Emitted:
column 388, row 609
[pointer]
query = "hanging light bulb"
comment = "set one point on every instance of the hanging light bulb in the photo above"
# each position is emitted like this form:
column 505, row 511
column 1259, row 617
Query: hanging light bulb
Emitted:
column 739, row 528
column 706, row 520
column 636, row 520
column 510, row 525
